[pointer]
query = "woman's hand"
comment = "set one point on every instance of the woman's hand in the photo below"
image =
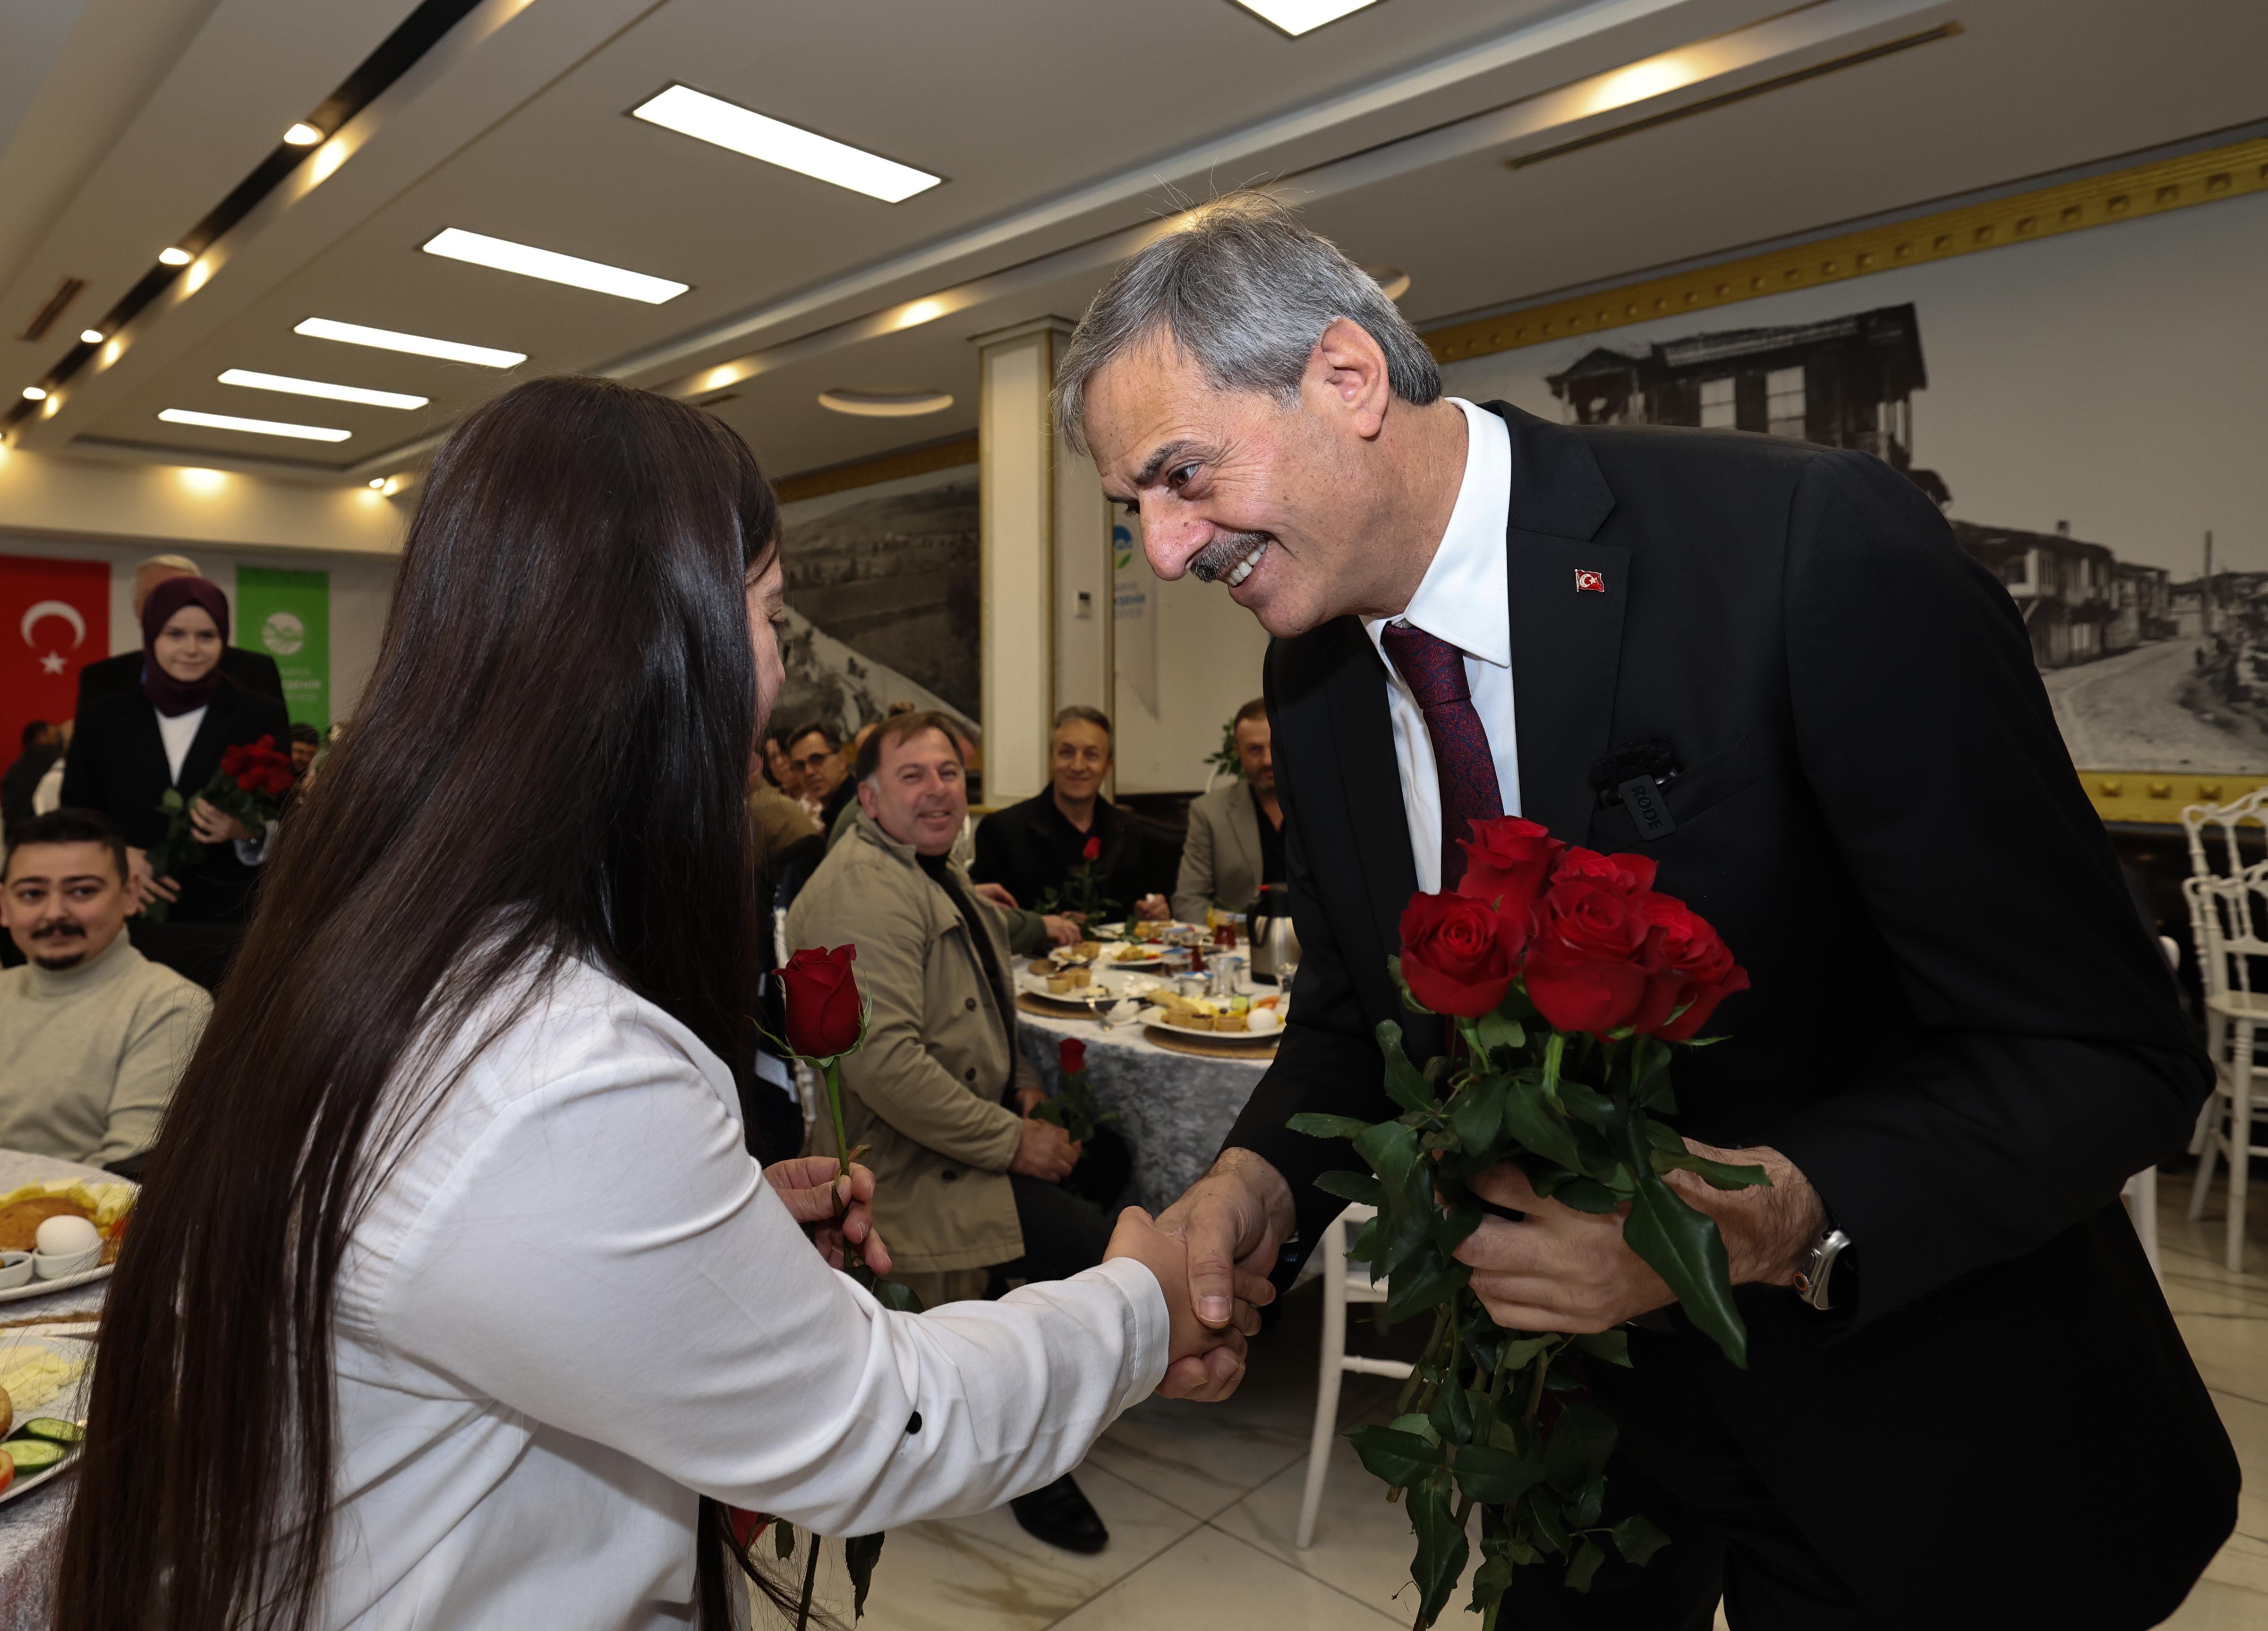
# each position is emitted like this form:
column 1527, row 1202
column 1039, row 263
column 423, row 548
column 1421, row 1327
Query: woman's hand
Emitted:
column 1169, row 1259
column 143, row 886
column 214, row 825
column 810, row 1188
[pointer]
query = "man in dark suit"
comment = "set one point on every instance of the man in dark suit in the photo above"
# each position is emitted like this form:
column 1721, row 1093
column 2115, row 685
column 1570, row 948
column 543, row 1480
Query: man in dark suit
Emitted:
column 1958, row 1043
column 1038, row 848
column 121, row 675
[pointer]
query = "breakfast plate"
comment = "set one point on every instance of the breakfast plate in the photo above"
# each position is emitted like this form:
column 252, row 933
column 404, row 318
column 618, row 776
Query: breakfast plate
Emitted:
column 42, row 1287
column 52, row 1374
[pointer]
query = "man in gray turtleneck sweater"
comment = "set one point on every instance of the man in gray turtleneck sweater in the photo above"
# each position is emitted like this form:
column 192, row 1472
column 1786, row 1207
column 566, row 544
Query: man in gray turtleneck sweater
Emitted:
column 93, row 1034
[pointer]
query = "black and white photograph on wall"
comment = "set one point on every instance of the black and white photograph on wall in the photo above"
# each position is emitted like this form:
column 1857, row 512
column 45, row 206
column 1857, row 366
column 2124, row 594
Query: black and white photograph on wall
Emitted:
column 882, row 592
column 2079, row 409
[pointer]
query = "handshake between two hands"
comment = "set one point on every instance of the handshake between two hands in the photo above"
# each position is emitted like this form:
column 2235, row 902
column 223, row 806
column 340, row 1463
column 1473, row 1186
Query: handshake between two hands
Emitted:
column 1205, row 1360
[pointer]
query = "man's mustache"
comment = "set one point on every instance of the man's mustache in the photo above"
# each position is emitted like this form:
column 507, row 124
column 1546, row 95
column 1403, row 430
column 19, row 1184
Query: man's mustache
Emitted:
column 63, row 929
column 1219, row 557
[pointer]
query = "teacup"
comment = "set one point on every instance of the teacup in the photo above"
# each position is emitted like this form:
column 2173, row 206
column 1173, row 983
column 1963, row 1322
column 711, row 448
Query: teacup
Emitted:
column 15, row 1269
column 58, row 1265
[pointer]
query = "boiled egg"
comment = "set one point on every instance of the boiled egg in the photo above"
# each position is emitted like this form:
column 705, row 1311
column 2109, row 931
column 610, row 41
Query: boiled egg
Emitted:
column 67, row 1235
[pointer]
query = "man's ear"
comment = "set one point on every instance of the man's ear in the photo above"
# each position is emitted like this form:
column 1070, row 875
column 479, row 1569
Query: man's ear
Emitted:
column 868, row 802
column 1348, row 367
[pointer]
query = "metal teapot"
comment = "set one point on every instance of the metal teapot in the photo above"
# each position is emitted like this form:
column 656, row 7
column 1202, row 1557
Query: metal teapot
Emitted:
column 1275, row 943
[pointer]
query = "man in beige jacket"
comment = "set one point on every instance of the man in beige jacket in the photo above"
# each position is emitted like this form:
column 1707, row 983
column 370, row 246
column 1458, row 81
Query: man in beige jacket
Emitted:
column 965, row 1187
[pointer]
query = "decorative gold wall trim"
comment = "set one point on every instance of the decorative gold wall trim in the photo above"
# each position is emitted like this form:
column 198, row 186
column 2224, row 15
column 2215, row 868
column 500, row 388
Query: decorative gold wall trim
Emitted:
column 2117, row 196
column 2156, row 797
column 887, row 467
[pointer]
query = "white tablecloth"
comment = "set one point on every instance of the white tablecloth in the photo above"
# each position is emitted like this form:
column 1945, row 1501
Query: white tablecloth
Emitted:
column 1177, row 1107
column 32, row 1525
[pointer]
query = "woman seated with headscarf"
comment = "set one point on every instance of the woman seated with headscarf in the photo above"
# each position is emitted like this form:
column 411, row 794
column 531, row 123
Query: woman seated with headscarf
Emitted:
column 128, row 750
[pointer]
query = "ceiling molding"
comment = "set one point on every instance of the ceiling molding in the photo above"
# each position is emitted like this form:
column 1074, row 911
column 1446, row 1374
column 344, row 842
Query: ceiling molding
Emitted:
column 2116, row 195
column 887, row 467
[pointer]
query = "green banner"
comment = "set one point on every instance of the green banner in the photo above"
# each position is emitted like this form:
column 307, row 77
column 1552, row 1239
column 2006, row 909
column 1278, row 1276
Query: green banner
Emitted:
column 287, row 615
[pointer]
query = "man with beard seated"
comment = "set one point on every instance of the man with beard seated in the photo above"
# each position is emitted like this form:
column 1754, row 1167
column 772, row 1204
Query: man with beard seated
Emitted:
column 92, row 1034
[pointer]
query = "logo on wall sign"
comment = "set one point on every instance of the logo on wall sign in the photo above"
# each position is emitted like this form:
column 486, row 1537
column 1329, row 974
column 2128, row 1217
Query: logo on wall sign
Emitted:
column 282, row 634
column 1590, row 581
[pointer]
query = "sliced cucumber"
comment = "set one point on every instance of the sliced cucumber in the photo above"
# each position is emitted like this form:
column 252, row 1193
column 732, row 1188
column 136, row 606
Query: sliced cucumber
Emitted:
column 53, row 1429
column 35, row 1454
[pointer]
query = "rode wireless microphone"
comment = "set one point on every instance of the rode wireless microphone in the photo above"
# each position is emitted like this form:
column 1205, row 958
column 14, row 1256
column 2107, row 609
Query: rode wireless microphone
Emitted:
column 1634, row 775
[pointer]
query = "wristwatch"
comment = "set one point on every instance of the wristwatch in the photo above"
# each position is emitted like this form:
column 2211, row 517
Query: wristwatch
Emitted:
column 1828, row 1277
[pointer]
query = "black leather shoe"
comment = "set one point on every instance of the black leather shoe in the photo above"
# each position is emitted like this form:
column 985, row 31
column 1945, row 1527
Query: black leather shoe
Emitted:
column 1060, row 1515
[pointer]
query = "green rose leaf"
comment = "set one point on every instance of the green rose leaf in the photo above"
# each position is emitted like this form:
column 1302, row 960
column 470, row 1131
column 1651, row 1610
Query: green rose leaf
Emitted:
column 1391, row 1148
column 1432, row 1279
column 1403, row 1085
column 1442, row 1547
column 782, row 1540
column 1490, row 1580
column 1682, row 1247
column 1589, row 1501
column 1579, row 1443
column 1586, row 1195
column 1588, row 1104
column 1452, row 1415
column 1544, row 1507
column 1498, row 1029
column 899, row 1300
column 1638, row 1538
column 1588, row 1556
column 860, row 1553
column 1495, row 1477
column 1529, row 1117
column 1322, row 1127
column 1361, row 1187
column 1476, row 1114
column 1611, row 1345
column 1402, row 1459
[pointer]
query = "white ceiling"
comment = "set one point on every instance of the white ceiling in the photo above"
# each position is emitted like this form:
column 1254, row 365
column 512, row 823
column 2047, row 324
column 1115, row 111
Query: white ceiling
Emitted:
column 1059, row 126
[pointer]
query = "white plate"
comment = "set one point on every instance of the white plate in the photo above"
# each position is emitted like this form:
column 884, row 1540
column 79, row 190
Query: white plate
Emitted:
column 1255, row 1039
column 67, row 1405
column 42, row 1287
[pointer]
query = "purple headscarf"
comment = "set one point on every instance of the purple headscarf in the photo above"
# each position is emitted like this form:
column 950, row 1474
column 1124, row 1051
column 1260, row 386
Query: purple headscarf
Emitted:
column 170, row 696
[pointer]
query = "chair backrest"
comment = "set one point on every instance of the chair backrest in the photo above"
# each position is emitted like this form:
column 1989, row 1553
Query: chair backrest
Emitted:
column 2228, row 918
column 2202, row 822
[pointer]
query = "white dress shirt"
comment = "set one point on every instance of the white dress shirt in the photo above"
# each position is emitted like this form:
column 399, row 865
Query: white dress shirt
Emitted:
column 575, row 1303
column 177, row 732
column 1463, row 600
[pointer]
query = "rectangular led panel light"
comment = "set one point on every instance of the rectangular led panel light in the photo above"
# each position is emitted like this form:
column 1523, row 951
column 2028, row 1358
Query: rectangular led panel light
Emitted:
column 727, row 124
column 318, row 388
column 1297, row 17
column 256, row 427
column 506, row 256
column 417, row 345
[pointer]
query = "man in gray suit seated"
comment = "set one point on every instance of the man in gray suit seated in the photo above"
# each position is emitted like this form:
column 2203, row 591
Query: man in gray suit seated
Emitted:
column 1236, row 832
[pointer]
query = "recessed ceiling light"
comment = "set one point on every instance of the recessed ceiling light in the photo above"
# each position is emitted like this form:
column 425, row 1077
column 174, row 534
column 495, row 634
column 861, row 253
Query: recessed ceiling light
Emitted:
column 1297, row 17
column 417, row 345
column 727, row 124
column 505, row 256
column 318, row 388
column 175, row 256
column 34, row 394
column 377, row 481
column 90, row 336
column 886, row 404
column 256, row 427
column 302, row 134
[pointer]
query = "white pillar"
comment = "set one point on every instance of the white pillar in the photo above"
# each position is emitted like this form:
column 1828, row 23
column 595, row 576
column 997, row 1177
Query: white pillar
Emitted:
column 1045, row 583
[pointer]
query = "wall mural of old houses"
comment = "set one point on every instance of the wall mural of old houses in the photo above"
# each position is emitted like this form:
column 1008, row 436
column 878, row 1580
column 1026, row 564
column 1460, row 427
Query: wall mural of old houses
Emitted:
column 2105, row 481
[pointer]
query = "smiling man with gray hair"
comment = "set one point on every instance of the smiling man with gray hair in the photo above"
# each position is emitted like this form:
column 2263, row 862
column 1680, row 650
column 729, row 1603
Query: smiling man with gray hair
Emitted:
column 1766, row 666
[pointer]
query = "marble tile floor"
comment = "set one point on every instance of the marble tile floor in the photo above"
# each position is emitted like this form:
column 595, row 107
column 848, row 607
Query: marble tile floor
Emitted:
column 1203, row 1501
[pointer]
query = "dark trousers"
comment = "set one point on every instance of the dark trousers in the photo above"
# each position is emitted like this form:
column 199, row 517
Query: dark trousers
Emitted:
column 1729, row 1536
column 1062, row 1234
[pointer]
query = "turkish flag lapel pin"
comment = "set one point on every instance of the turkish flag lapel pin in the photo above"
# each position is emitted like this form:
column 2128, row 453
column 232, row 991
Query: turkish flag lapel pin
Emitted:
column 1588, row 581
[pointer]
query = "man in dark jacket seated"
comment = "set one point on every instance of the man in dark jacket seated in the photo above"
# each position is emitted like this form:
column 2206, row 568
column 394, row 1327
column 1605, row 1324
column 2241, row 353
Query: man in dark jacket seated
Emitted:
column 1049, row 850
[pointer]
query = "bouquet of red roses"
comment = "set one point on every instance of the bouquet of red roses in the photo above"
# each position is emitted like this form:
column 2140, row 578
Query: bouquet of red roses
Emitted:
column 1566, row 978
column 250, row 785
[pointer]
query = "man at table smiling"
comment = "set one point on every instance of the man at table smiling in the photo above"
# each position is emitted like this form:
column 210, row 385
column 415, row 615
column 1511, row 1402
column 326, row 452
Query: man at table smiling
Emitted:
column 967, row 1190
column 1957, row 1047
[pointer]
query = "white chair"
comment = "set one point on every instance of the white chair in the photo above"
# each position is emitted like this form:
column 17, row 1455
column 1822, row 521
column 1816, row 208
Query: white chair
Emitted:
column 2227, row 912
column 1341, row 1287
column 2224, row 819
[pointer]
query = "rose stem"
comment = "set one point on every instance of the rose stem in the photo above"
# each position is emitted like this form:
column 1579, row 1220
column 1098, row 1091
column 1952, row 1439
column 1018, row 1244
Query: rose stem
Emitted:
column 810, row 1573
column 830, row 1074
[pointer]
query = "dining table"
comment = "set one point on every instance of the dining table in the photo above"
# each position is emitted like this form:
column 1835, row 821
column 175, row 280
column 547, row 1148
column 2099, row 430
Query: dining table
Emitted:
column 32, row 1523
column 1177, row 1107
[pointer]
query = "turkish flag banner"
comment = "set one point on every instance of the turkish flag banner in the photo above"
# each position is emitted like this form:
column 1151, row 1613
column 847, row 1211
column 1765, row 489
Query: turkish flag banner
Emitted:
column 54, row 619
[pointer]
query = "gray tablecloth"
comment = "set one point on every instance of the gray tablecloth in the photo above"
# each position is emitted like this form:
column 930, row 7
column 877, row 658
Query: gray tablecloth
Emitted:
column 1178, row 1107
column 32, row 1525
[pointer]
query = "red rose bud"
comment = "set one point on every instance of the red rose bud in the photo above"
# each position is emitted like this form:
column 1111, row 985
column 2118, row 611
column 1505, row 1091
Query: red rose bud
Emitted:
column 1071, row 1056
column 1459, row 954
column 1630, row 874
column 1507, row 862
column 1091, row 849
column 822, row 1001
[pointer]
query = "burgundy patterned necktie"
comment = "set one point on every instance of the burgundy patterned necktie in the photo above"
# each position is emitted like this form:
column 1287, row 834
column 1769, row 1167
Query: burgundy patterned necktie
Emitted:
column 1435, row 671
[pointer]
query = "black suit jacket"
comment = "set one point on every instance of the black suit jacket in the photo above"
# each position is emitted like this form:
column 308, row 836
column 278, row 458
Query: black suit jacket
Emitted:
column 1957, row 1030
column 122, row 676
column 1017, row 848
column 117, row 765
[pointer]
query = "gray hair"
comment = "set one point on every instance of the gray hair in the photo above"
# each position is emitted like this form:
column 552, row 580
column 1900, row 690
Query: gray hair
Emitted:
column 173, row 563
column 1246, row 289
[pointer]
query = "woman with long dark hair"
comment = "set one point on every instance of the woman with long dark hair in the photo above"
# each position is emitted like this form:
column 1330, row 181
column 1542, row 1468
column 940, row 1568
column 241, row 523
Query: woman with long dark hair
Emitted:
column 169, row 733
column 454, row 1298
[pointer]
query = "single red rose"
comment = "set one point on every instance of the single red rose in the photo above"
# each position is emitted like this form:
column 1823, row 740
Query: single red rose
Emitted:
column 1071, row 1056
column 1091, row 849
column 1576, row 993
column 1632, row 875
column 1703, row 1003
column 1693, row 970
column 748, row 1527
column 1584, row 919
column 1507, row 862
column 822, row 1001
column 1459, row 954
